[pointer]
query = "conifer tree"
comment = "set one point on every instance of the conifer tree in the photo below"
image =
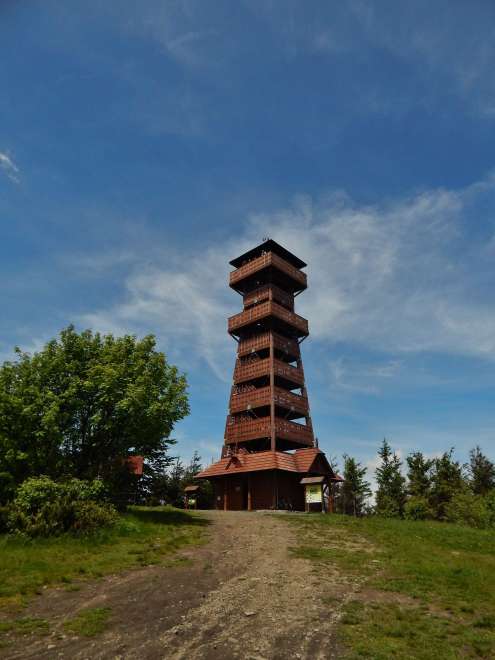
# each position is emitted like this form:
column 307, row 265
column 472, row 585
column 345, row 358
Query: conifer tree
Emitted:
column 447, row 481
column 418, row 474
column 391, row 493
column 481, row 472
column 355, row 489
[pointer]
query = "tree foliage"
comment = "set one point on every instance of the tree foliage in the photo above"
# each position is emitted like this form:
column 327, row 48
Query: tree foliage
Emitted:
column 447, row 481
column 355, row 490
column 83, row 403
column 419, row 474
column 481, row 472
column 391, row 493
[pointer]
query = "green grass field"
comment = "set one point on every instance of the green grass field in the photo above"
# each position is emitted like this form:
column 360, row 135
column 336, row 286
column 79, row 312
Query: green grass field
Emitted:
column 142, row 537
column 427, row 589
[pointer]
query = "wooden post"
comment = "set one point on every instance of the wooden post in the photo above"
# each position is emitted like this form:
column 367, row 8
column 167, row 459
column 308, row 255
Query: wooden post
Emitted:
column 249, row 500
column 273, row 441
column 226, row 495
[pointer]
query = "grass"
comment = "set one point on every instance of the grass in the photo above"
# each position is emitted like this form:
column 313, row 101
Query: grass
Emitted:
column 143, row 536
column 428, row 589
column 88, row 623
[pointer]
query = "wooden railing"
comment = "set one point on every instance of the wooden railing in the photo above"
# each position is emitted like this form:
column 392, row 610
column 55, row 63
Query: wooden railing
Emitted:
column 294, row 431
column 262, row 341
column 262, row 397
column 269, row 292
column 244, row 430
column 243, row 372
column 263, row 310
column 247, row 430
column 265, row 260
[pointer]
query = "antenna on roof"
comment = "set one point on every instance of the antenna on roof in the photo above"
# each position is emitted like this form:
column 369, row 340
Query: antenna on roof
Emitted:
column 265, row 239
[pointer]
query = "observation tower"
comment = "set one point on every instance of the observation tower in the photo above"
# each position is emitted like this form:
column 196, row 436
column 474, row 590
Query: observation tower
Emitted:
column 270, row 459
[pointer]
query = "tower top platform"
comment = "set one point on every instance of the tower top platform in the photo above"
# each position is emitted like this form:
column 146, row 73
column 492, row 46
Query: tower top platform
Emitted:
column 268, row 246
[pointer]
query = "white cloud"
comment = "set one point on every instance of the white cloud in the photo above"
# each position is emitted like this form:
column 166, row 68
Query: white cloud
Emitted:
column 398, row 277
column 9, row 167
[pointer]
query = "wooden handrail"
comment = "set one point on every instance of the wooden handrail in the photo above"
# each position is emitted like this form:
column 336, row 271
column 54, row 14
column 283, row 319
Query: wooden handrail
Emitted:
column 265, row 260
column 262, row 397
column 263, row 310
column 260, row 368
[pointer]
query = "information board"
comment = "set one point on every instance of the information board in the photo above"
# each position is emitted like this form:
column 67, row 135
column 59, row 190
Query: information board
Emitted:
column 313, row 494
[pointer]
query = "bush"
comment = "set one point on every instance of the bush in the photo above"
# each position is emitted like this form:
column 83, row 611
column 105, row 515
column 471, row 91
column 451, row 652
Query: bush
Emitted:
column 490, row 507
column 90, row 516
column 387, row 507
column 417, row 508
column 43, row 507
column 468, row 509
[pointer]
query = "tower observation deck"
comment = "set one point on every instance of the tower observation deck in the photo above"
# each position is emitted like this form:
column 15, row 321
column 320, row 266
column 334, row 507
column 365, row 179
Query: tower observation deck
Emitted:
column 269, row 445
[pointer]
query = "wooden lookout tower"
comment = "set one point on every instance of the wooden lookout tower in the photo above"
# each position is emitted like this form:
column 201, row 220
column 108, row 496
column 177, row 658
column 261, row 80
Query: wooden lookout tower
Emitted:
column 269, row 445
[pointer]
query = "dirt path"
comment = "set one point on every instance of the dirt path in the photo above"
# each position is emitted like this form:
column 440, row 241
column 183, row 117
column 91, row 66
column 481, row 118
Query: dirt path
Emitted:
column 243, row 595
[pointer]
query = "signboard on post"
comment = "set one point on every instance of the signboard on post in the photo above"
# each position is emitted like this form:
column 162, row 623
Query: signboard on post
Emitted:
column 313, row 494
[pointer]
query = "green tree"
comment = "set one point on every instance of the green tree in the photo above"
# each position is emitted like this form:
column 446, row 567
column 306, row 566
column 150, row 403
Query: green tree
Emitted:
column 481, row 472
column 391, row 492
column 418, row 474
column 447, row 481
column 175, row 486
column 84, row 403
column 355, row 490
column 204, row 494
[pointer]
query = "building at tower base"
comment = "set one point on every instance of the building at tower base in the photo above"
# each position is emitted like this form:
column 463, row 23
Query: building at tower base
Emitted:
column 269, row 446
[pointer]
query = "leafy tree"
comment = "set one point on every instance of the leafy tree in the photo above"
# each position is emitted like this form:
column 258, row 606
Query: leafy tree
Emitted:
column 447, row 481
column 481, row 472
column 84, row 403
column 355, row 489
column 418, row 474
column 391, row 493
column 466, row 508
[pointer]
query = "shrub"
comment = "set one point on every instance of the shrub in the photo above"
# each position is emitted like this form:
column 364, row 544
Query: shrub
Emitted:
column 417, row 508
column 468, row 509
column 387, row 507
column 490, row 507
column 43, row 507
column 90, row 516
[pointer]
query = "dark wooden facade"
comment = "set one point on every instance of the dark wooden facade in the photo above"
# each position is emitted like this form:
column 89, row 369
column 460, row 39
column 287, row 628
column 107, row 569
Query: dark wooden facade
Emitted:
column 269, row 444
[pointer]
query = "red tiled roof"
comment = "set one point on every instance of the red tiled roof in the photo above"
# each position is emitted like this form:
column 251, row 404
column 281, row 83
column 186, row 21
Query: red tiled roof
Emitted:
column 300, row 461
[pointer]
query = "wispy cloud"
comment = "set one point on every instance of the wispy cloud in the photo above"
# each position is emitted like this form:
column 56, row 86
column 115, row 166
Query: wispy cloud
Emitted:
column 9, row 167
column 395, row 277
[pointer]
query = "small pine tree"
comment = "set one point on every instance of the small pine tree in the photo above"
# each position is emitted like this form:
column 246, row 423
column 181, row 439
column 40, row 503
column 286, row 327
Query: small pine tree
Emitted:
column 336, row 488
column 481, row 472
column 391, row 493
column 204, row 494
column 175, row 494
column 355, row 490
column 192, row 469
column 418, row 474
column 447, row 481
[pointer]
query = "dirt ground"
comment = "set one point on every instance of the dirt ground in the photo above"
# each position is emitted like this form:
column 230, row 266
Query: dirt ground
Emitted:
column 241, row 595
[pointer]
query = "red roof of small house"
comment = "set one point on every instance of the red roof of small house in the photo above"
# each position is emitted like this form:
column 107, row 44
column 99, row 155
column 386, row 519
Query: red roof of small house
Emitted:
column 301, row 460
column 135, row 464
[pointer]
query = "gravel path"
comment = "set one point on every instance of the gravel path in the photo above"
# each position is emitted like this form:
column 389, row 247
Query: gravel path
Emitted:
column 242, row 595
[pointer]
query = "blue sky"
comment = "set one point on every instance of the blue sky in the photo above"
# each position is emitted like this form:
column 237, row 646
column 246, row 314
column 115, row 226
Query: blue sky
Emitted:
column 143, row 145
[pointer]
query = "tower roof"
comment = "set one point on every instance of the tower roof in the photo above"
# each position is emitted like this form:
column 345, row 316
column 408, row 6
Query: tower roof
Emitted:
column 268, row 246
